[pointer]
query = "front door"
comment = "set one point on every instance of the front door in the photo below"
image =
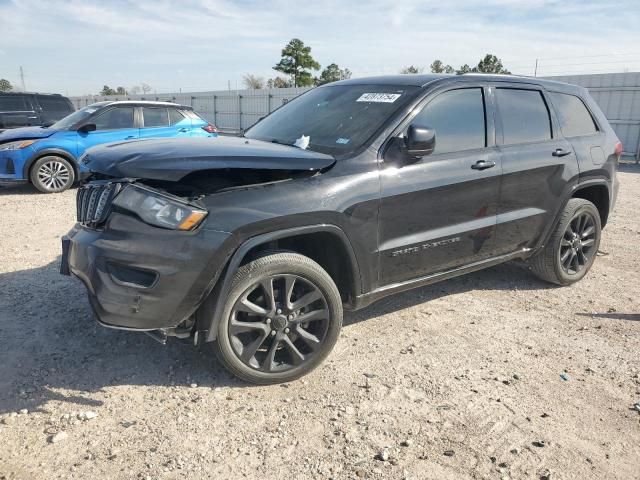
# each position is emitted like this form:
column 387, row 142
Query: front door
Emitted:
column 113, row 125
column 440, row 212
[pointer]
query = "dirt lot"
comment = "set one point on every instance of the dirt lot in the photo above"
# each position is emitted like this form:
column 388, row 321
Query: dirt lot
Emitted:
column 492, row 375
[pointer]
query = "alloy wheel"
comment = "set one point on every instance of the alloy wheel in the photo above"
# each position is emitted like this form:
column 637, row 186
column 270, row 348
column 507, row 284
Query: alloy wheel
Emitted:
column 54, row 175
column 577, row 244
column 279, row 323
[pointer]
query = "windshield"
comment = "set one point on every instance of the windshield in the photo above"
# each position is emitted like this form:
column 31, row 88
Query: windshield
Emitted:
column 337, row 120
column 75, row 117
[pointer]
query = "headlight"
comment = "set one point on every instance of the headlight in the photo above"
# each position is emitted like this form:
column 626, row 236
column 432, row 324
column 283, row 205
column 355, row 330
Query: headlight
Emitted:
column 158, row 209
column 17, row 145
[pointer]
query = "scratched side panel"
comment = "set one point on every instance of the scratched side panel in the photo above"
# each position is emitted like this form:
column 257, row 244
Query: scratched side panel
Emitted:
column 533, row 186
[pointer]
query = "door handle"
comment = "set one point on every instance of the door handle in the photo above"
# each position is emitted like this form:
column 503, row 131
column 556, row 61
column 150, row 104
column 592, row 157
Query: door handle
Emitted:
column 130, row 137
column 560, row 152
column 483, row 164
column 183, row 130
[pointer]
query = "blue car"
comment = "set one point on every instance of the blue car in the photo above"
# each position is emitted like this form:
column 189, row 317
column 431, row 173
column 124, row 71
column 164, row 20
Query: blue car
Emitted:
column 48, row 156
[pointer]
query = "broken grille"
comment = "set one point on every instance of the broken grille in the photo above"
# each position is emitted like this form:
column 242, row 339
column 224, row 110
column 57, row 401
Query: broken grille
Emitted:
column 93, row 202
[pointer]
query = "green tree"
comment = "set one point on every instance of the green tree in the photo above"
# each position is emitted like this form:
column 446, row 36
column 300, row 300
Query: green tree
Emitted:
column 333, row 73
column 253, row 81
column 5, row 85
column 297, row 61
column 279, row 82
column 464, row 69
column 411, row 70
column 121, row 91
column 491, row 64
column 438, row 67
column 107, row 90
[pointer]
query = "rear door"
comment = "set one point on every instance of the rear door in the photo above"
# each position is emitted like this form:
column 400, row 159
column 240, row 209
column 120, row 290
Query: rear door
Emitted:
column 439, row 212
column 579, row 127
column 52, row 108
column 538, row 165
column 163, row 122
column 17, row 111
column 115, row 124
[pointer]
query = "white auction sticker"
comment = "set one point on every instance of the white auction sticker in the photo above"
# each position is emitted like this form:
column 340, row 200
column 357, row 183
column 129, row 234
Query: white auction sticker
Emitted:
column 378, row 97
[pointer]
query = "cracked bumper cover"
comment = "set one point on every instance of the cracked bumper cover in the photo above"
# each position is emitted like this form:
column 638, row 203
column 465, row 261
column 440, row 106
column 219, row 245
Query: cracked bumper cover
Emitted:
column 141, row 277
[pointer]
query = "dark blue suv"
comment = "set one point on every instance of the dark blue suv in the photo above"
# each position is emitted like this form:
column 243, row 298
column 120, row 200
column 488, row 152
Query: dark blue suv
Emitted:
column 47, row 156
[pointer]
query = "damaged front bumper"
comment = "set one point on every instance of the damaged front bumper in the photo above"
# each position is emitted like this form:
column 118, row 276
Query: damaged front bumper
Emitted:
column 140, row 277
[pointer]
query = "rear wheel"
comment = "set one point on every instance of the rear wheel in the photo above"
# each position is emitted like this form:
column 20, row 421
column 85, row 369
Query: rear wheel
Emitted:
column 281, row 319
column 572, row 248
column 52, row 174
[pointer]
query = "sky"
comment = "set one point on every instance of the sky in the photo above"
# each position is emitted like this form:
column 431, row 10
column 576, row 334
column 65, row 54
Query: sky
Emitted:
column 75, row 47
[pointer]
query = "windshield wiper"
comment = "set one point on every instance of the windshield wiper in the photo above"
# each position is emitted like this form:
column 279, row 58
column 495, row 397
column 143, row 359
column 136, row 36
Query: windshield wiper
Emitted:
column 275, row 140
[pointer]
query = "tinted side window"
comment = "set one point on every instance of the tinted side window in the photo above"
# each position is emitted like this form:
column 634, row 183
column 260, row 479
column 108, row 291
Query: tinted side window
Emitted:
column 524, row 114
column 56, row 104
column 115, row 118
column 574, row 117
column 458, row 118
column 13, row 103
column 175, row 116
column 155, row 117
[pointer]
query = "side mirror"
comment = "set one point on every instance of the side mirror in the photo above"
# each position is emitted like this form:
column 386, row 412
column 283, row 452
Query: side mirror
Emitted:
column 420, row 141
column 87, row 127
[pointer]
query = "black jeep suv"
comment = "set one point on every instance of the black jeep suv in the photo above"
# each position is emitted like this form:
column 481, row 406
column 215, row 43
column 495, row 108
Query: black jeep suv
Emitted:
column 352, row 191
column 32, row 109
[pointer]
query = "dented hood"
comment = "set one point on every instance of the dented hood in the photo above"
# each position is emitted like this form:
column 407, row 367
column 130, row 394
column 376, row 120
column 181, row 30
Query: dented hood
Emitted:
column 171, row 159
column 25, row 133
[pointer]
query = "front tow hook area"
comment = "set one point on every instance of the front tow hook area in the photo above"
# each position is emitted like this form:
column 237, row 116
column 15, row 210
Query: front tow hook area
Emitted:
column 182, row 332
column 159, row 336
column 64, row 260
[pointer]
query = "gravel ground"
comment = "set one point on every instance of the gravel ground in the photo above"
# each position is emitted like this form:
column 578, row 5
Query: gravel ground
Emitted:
column 492, row 375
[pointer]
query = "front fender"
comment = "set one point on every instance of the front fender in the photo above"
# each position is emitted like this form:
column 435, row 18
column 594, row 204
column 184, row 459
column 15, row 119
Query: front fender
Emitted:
column 50, row 151
column 208, row 326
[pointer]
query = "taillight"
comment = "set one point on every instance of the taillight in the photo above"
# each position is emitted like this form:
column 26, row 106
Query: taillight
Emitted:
column 210, row 128
column 618, row 149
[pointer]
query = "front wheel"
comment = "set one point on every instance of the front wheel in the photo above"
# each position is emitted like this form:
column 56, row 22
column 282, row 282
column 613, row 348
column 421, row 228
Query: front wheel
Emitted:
column 281, row 319
column 52, row 174
column 572, row 248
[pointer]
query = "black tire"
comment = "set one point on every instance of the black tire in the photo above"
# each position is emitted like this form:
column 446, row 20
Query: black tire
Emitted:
column 52, row 174
column 258, row 345
column 572, row 248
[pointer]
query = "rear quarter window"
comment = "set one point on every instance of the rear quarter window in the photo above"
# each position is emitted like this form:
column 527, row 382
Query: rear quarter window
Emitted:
column 524, row 114
column 191, row 114
column 175, row 116
column 575, row 120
